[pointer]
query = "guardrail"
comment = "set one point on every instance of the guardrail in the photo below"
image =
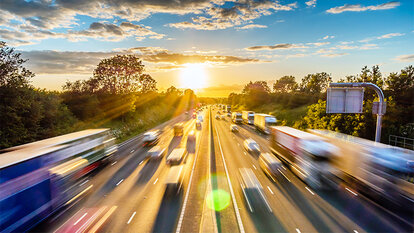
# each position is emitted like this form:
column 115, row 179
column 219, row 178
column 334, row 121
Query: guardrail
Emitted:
column 403, row 142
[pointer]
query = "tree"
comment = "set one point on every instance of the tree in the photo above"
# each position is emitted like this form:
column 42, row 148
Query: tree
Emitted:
column 257, row 86
column 401, row 86
column 120, row 74
column 256, row 93
column 27, row 114
column 12, row 72
column 315, row 83
column 285, row 84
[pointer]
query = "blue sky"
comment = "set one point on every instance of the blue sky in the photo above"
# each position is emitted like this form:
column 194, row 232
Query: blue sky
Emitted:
column 237, row 41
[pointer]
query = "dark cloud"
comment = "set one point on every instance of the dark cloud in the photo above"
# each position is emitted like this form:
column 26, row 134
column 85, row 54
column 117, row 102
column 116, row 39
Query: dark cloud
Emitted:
column 58, row 62
column 276, row 46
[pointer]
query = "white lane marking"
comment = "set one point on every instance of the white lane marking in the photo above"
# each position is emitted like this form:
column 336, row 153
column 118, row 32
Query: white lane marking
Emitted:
column 80, row 219
column 130, row 219
column 254, row 167
column 283, row 175
column 119, row 182
column 309, row 190
column 236, row 208
column 351, row 191
column 355, row 231
column 114, row 163
column 284, row 168
column 297, row 230
column 141, row 162
column 270, row 190
column 86, row 181
column 132, row 151
column 155, row 181
column 180, row 221
column 245, row 152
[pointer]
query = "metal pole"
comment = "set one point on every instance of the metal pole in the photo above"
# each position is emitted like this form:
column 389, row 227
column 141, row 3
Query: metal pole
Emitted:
column 381, row 102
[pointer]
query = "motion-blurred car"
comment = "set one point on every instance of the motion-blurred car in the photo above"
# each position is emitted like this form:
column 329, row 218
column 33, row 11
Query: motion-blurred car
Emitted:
column 198, row 125
column 270, row 165
column 191, row 137
column 217, row 117
column 151, row 138
column 218, row 112
column 155, row 153
column 200, row 118
column 253, row 191
column 229, row 114
column 223, row 117
column 178, row 129
column 251, row 146
column 234, row 128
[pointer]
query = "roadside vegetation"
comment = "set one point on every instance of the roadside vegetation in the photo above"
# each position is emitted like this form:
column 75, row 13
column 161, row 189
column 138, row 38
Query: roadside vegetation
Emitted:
column 303, row 105
column 119, row 95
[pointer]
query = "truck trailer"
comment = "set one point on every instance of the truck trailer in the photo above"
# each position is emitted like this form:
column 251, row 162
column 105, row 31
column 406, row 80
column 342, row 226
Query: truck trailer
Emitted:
column 309, row 156
column 248, row 117
column 381, row 172
column 262, row 122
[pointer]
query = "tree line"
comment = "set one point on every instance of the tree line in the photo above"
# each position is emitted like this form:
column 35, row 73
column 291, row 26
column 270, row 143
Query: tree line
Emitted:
column 287, row 94
column 119, row 95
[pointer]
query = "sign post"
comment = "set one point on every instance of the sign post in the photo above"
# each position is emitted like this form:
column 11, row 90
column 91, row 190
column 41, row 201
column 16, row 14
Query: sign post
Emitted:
column 348, row 98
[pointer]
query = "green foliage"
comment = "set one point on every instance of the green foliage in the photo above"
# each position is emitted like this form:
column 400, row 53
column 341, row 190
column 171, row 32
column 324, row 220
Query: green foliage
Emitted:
column 285, row 84
column 315, row 83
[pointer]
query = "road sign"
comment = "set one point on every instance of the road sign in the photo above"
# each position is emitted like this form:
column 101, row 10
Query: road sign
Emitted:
column 375, row 109
column 344, row 100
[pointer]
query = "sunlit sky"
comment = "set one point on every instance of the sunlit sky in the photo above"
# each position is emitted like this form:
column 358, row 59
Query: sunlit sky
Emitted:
column 227, row 43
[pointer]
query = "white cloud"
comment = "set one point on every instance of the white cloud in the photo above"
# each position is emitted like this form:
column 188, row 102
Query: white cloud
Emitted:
column 405, row 58
column 390, row 35
column 359, row 8
column 297, row 55
column 385, row 36
column 334, row 54
column 328, row 37
column 311, row 3
column 250, row 26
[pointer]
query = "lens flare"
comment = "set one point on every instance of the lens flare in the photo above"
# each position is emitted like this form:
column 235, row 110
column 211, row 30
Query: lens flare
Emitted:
column 218, row 200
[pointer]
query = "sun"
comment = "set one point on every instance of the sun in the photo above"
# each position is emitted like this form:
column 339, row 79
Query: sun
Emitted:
column 193, row 76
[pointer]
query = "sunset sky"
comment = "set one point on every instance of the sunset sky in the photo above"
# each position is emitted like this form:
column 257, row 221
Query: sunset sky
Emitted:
column 229, row 42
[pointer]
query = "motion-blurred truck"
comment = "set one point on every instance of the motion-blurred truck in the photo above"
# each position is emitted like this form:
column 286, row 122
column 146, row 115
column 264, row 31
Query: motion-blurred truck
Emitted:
column 236, row 118
column 309, row 156
column 262, row 122
column 174, row 180
column 381, row 172
column 248, row 117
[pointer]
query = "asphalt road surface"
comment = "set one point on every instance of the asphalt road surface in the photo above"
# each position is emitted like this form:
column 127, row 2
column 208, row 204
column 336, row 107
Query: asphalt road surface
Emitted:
column 129, row 194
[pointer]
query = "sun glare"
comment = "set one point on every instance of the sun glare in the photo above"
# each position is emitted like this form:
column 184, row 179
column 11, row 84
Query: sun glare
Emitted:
column 193, row 76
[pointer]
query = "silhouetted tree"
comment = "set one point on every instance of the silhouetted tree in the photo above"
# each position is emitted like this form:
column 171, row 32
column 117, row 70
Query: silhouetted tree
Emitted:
column 285, row 84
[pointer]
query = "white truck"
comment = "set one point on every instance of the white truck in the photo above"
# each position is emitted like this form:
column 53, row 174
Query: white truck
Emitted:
column 262, row 122
column 236, row 117
column 382, row 172
column 309, row 156
column 248, row 117
column 176, row 156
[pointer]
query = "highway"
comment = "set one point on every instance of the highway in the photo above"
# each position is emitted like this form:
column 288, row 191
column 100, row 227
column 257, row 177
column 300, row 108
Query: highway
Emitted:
column 131, row 190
